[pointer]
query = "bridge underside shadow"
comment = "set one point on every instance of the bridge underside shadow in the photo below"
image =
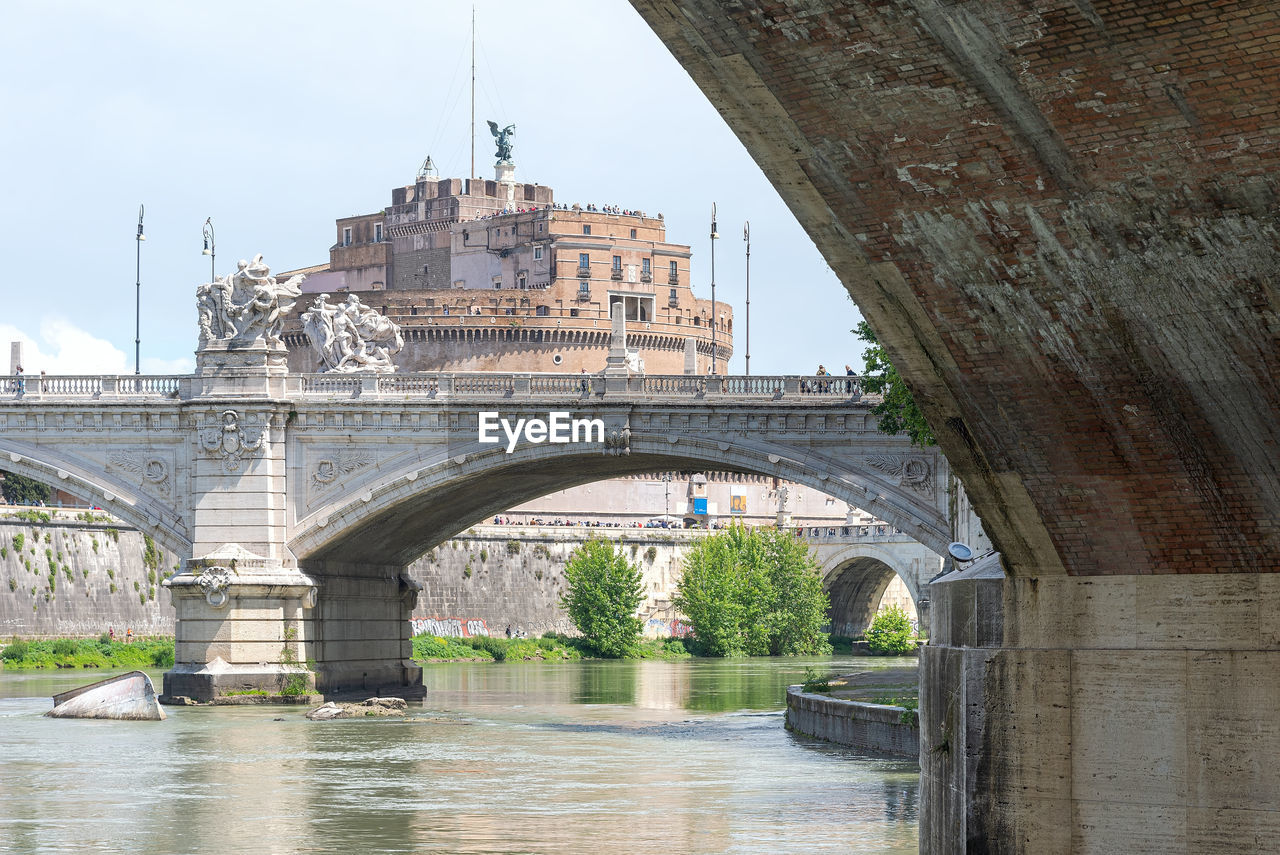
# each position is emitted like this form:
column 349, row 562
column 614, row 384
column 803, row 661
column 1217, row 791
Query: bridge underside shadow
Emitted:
column 363, row 640
column 856, row 591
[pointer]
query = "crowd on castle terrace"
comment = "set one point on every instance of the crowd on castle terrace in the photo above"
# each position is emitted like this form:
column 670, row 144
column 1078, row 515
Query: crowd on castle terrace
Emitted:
column 589, row 207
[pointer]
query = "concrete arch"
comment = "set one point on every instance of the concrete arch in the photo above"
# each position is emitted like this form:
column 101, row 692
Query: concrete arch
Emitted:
column 118, row 498
column 856, row 576
column 402, row 515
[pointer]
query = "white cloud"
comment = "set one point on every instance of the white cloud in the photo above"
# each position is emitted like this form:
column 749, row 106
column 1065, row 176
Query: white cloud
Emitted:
column 63, row 348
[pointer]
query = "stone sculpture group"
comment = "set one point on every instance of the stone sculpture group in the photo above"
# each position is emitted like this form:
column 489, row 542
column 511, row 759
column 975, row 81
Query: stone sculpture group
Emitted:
column 349, row 336
column 247, row 306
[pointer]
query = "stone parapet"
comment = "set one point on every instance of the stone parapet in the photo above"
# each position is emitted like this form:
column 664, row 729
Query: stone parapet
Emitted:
column 878, row 728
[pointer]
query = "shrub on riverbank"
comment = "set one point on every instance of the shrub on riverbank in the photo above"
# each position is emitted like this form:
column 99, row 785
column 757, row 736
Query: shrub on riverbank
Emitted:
column 551, row 647
column 604, row 592
column 890, row 633
column 152, row 652
column 753, row 592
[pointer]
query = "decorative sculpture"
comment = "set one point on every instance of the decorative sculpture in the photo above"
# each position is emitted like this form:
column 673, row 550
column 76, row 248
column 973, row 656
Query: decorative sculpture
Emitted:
column 233, row 441
column 350, row 337
column 503, row 138
column 247, row 306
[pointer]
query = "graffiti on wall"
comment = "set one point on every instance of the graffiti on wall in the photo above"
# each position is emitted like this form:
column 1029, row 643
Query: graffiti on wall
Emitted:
column 662, row 628
column 449, row 627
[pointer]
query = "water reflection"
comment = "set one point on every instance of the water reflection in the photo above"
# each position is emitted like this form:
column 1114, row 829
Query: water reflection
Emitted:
column 684, row 757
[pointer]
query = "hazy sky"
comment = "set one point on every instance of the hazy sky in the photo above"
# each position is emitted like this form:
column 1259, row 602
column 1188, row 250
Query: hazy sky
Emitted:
column 275, row 118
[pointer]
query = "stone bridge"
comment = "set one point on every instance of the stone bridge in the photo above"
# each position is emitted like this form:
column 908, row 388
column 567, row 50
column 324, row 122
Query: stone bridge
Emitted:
column 1062, row 219
column 298, row 500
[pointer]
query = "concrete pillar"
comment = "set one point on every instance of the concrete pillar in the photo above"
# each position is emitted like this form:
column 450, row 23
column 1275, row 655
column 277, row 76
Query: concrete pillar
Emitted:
column 1126, row 714
column 365, row 645
column 243, row 623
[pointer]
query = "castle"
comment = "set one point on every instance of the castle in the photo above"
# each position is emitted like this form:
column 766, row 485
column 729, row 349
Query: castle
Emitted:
column 497, row 276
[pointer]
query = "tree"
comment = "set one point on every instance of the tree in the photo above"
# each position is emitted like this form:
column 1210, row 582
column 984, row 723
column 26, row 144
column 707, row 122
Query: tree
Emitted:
column 890, row 632
column 604, row 592
column 752, row 592
column 19, row 490
column 898, row 412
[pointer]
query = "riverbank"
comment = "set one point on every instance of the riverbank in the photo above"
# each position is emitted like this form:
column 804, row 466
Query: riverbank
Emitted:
column 52, row 654
column 550, row 647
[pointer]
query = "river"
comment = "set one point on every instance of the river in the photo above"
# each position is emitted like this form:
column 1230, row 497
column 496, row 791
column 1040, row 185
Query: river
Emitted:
column 581, row 757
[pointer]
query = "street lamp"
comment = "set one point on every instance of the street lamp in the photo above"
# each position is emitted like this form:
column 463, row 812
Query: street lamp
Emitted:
column 714, row 236
column 210, row 249
column 137, row 318
column 746, row 236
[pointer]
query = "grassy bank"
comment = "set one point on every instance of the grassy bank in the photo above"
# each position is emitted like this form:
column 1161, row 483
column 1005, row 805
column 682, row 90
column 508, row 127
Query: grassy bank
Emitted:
column 556, row 648
column 151, row 652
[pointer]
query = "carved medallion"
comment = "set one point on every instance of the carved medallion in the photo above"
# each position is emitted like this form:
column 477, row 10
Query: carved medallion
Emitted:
column 913, row 473
column 147, row 468
column 343, row 462
column 232, row 441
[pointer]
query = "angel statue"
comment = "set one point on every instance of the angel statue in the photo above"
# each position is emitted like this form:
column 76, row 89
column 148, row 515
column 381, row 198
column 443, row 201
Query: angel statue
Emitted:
column 503, row 138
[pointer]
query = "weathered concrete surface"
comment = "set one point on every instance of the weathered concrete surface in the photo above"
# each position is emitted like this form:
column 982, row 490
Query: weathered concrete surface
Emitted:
column 94, row 577
column 876, row 728
column 124, row 697
column 1127, row 713
column 1060, row 219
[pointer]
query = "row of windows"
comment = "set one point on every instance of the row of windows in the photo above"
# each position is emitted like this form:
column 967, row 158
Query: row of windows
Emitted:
column 586, row 230
column 584, row 262
column 377, row 234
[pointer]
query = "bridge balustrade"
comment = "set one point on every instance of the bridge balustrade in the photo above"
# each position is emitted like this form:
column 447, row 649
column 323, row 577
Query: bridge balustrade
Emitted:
column 481, row 384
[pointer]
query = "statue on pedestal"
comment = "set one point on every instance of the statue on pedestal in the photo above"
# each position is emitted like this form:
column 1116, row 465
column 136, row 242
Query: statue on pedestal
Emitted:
column 247, row 306
column 503, row 138
column 351, row 337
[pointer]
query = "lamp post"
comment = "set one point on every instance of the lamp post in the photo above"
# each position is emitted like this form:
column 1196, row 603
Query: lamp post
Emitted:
column 210, row 249
column 746, row 236
column 714, row 236
column 137, row 317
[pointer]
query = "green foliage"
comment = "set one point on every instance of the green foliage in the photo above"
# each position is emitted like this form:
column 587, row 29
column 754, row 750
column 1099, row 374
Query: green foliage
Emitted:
column 20, row 490
column 753, row 592
column 466, row 571
column 604, row 591
column 113, row 587
column 814, row 683
column 484, row 555
column 114, row 534
column 295, row 684
column 651, row 553
column 13, row 584
column 890, row 633
column 541, row 551
column 150, row 555
column 99, row 652
column 898, row 412
column 111, row 574
column 513, row 547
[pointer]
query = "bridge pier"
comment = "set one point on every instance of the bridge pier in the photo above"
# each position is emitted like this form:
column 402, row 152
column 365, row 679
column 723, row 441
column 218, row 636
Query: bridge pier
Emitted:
column 1080, row 714
column 243, row 623
column 365, row 644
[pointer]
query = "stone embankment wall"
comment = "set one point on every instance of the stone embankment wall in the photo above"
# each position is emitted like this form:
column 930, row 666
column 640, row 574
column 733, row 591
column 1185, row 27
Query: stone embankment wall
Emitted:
column 494, row 577
column 868, row 727
column 76, row 578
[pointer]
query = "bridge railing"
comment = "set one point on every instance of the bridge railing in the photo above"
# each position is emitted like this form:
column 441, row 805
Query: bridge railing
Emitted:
column 95, row 386
column 475, row 384
column 501, row 385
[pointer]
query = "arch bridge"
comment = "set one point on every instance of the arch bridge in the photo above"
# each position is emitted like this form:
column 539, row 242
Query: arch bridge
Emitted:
column 298, row 500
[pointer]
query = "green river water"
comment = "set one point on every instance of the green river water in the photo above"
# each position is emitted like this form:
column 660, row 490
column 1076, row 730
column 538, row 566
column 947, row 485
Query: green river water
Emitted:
column 580, row 757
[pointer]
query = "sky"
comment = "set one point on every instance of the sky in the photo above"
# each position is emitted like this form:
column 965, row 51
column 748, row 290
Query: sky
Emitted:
column 276, row 118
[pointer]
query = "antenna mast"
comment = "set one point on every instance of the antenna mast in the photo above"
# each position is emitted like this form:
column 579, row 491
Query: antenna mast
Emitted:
column 473, row 91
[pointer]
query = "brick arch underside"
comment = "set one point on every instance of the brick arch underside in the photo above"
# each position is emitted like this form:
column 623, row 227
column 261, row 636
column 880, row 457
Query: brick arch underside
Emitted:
column 410, row 519
column 856, row 589
column 129, row 504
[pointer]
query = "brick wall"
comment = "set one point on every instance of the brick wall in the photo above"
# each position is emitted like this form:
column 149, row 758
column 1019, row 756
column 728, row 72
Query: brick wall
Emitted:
column 1060, row 218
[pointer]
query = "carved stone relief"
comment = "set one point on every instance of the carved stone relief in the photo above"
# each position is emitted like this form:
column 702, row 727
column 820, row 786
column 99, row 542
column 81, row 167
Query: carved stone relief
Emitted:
column 146, row 468
column 913, row 473
column 233, row 441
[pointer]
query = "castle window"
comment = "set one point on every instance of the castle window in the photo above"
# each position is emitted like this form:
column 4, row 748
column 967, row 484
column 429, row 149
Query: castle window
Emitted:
column 346, row 236
column 633, row 234
column 644, row 266
column 377, row 232
column 617, row 262
column 497, row 282
column 586, row 230
column 675, row 272
column 542, row 311
column 537, row 253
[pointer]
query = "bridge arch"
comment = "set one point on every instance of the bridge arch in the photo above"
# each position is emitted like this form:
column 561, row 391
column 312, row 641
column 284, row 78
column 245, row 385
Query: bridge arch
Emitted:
column 116, row 497
column 856, row 577
column 395, row 519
